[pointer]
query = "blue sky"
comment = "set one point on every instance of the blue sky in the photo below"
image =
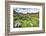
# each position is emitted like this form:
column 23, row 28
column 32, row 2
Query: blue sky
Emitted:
column 25, row 10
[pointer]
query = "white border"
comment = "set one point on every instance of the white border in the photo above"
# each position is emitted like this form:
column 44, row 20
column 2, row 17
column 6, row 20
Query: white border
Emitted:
column 25, row 29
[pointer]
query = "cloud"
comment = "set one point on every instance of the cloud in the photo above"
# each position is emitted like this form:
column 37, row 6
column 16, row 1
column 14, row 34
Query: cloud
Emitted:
column 25, row 10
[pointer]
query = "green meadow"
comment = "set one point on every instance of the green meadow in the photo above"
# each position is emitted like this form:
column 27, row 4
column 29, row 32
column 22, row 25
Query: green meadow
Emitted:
column 26, row 20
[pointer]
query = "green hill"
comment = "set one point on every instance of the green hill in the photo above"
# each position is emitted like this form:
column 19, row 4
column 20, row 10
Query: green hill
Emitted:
column 27, row 20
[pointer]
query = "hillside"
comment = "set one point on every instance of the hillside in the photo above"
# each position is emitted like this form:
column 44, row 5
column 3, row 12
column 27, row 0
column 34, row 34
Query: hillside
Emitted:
column 27, row 20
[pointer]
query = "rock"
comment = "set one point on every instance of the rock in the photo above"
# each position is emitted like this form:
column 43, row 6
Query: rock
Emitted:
column 17, row 24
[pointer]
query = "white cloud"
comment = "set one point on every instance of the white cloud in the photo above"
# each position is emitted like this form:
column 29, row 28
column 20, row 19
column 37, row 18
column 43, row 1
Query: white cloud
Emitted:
column 25, row 10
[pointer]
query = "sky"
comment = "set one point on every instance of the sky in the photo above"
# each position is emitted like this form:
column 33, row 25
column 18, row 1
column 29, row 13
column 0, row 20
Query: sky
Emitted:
column 26, row 10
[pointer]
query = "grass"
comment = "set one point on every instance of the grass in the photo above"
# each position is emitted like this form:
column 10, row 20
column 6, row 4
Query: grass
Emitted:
column 26, row 20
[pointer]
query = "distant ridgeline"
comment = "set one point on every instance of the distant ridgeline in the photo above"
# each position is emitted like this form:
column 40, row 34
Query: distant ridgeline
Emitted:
column 25, row 10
